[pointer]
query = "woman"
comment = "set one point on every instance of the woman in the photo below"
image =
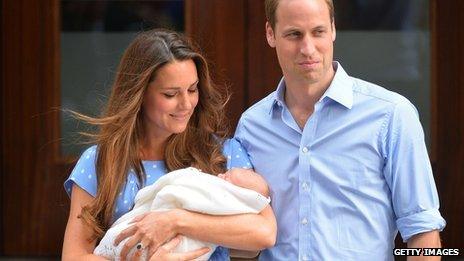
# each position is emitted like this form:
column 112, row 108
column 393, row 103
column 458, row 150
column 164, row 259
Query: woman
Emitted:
column 164, row 113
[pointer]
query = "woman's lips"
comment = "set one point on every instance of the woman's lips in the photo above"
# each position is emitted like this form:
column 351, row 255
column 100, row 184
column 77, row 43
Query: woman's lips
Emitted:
column 182, row 116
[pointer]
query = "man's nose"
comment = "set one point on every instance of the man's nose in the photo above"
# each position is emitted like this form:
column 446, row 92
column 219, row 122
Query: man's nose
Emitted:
column 307, row 46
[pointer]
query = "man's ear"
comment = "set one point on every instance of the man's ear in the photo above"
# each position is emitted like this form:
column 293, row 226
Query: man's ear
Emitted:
column 334, row 32
column 270, row 35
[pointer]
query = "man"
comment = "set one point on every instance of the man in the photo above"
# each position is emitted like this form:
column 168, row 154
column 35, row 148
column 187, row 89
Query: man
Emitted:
column 345, row 159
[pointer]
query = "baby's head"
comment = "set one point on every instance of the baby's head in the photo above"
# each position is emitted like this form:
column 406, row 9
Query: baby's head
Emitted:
column 246, row 178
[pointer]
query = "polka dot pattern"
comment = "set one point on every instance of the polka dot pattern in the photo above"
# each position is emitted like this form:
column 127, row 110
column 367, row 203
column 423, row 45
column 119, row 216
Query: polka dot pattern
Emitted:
column 84, row 174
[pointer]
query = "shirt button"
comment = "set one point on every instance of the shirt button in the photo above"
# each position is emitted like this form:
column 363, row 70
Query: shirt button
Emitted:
column 305, row 149
column 305, row 186
column 304, row 221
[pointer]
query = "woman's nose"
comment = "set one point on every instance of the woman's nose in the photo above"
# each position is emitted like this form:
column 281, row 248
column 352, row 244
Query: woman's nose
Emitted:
column 185, row 102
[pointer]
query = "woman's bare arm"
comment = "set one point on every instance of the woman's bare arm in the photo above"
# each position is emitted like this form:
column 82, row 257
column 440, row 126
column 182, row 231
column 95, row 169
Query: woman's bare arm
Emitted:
column 76, row 245
column 244, row 231
column 249, row 179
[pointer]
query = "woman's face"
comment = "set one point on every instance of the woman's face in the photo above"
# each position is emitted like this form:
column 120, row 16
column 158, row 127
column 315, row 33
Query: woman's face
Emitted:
column 170, row 99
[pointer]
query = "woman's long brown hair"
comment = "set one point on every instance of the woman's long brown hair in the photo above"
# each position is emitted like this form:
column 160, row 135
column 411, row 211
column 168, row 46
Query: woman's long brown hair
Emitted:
column 121, row 124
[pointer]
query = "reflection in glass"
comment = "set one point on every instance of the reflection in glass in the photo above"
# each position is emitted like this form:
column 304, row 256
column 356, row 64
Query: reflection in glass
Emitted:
column 93, row 38
column 119, row 16
column 387, row 42
column 382, row 15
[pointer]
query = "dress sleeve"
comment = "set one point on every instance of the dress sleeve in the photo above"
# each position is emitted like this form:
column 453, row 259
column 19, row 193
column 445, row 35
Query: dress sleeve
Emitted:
column 84, row 174
column 220, row 254
column 409, row 175
column 236, row 155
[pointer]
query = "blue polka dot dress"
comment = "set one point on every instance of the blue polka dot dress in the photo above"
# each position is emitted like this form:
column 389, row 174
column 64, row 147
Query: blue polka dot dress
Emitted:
column 84, row 176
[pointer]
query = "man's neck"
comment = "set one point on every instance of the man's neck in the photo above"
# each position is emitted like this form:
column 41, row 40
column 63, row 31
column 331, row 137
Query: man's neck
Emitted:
column 301, row 97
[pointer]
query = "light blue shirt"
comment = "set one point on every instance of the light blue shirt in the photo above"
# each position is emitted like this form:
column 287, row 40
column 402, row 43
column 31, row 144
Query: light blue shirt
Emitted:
column 84, row 176
column 343, row 186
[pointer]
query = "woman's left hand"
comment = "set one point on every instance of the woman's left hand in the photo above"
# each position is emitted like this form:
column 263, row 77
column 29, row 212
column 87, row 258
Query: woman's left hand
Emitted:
column 164, row 252
column 151, row 230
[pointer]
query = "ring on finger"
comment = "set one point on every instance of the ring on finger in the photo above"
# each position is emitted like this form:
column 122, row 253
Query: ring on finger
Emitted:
column 140, row 246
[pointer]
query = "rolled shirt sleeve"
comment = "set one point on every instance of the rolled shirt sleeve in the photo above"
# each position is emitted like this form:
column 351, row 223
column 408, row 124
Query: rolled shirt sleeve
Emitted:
column 408, row 173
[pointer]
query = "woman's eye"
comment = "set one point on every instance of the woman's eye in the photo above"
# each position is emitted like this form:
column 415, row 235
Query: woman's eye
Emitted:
column 193, row 89
column 169, row 95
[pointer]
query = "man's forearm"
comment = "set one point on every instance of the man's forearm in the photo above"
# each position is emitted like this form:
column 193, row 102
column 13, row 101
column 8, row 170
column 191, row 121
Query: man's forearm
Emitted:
column 429, row 239
column 244, row 231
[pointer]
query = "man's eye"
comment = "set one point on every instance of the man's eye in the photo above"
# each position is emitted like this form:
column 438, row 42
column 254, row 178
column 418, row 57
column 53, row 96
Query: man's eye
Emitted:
column 294, row 34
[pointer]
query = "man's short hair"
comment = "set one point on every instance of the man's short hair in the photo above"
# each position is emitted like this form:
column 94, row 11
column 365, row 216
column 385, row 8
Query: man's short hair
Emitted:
column 270, row 6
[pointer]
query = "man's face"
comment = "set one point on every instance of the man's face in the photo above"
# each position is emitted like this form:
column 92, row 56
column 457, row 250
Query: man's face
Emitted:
column 303, row 37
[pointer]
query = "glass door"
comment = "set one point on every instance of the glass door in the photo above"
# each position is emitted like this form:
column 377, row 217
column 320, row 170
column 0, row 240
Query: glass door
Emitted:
column 94, row 35
column 387, row 42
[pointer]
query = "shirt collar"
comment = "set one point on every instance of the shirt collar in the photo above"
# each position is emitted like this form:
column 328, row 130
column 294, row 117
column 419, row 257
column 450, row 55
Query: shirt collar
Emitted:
column 340, row 89
column 278, row 99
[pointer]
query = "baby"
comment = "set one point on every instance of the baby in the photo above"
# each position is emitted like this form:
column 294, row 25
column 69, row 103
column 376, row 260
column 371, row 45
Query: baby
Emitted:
column 246, row 178
column 237, row 191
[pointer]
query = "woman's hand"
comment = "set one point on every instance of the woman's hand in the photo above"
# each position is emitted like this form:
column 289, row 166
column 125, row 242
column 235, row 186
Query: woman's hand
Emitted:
column 151, row 230
column 164, row 252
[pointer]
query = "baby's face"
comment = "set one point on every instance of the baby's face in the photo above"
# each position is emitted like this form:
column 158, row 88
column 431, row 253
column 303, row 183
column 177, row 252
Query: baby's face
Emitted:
column 236, row 176
column 246, row 178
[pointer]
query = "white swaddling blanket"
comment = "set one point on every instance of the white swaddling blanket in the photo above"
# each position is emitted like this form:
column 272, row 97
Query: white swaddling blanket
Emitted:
column 188, row 189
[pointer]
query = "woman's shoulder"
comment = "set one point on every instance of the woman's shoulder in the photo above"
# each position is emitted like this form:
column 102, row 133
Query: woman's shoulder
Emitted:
column 89, row 156
column 91, row 149
column 83, row 173
column 235, row 154
column 230, row 143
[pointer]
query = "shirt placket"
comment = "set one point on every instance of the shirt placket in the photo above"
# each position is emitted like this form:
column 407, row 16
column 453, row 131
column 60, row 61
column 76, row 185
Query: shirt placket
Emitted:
column 305, row 183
